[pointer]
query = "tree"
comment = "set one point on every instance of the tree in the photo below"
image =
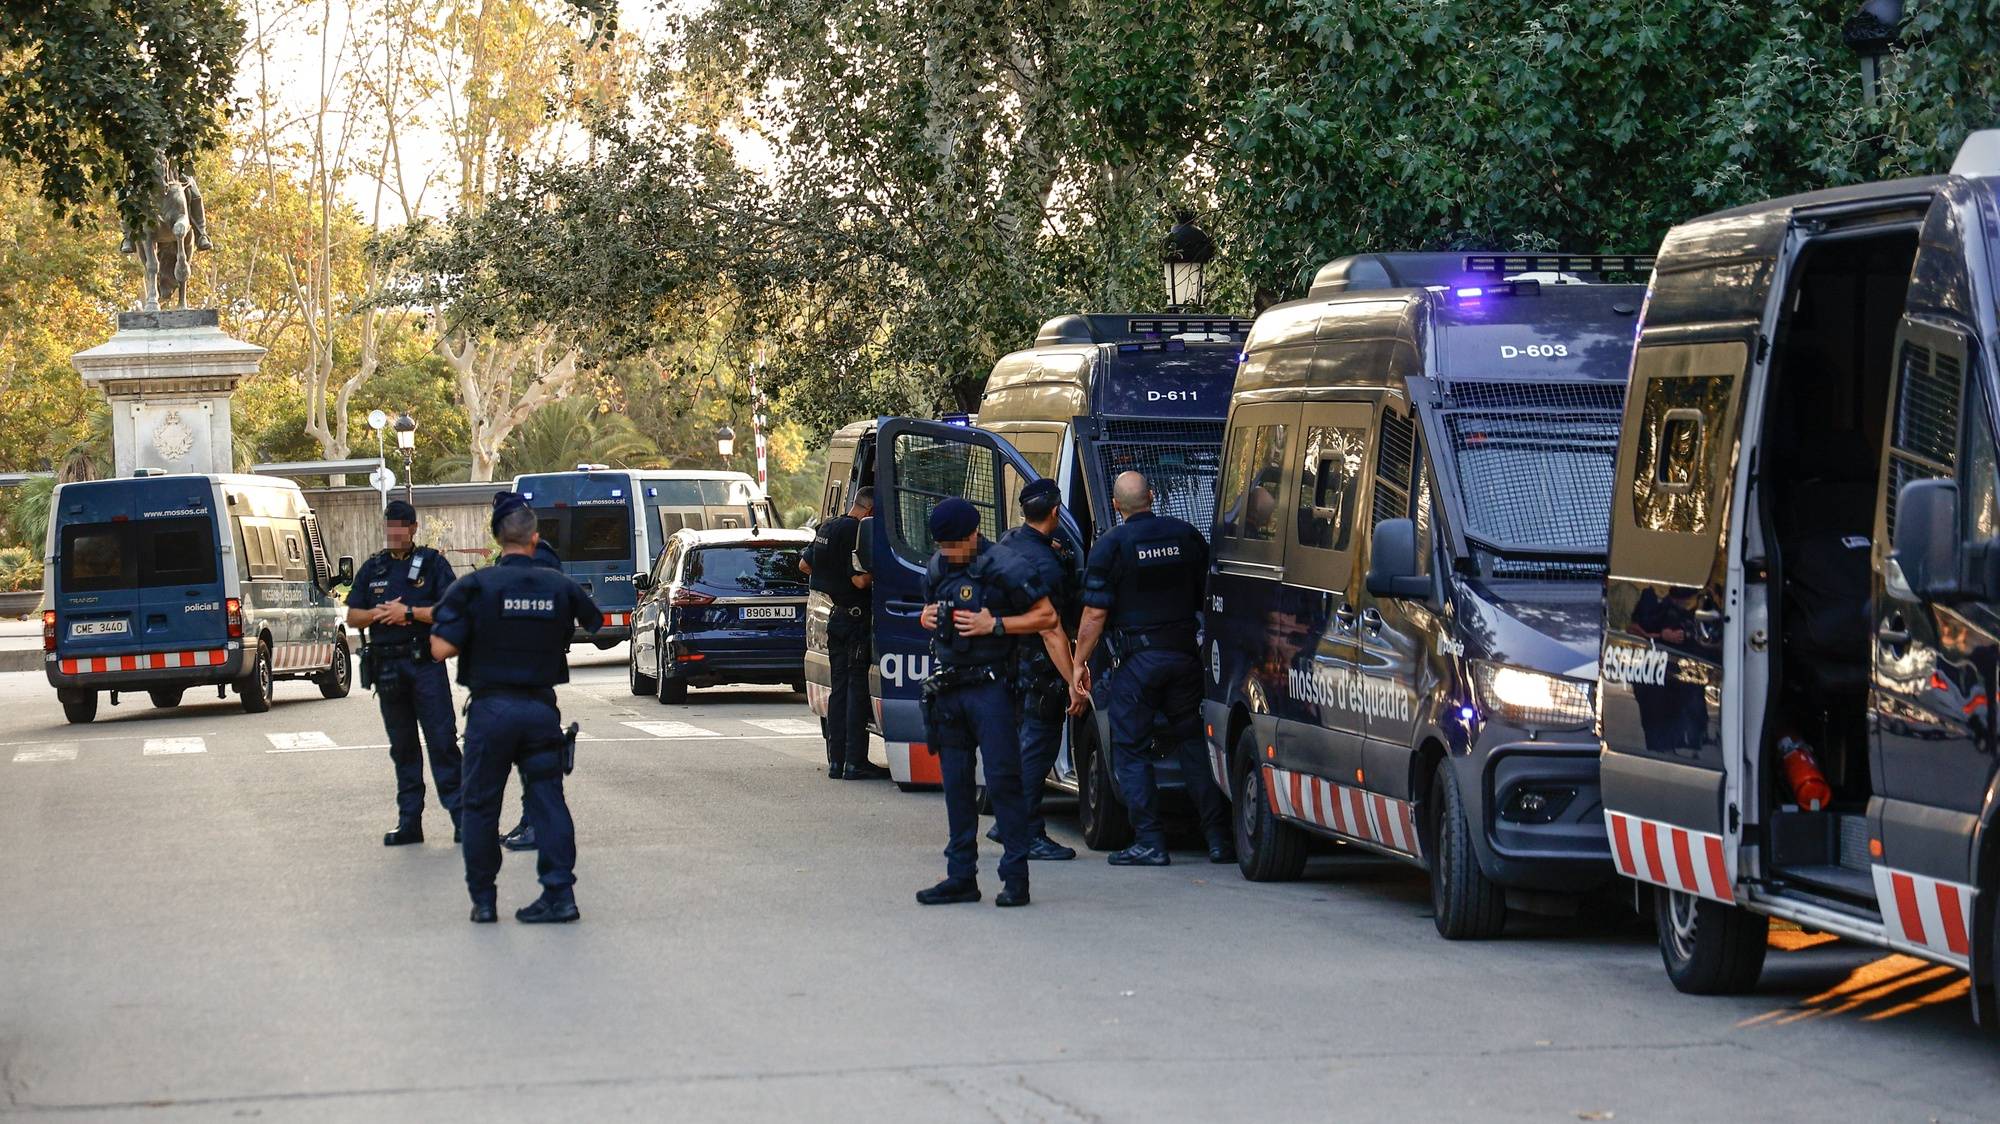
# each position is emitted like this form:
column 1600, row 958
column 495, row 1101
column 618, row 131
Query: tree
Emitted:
column 93, row 93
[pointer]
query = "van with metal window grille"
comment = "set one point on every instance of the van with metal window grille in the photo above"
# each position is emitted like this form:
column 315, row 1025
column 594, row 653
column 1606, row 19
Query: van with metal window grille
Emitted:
column 162, row 583
column 609, row 525
column 1798, row 665
column 1095, row 395
column 1408, row 561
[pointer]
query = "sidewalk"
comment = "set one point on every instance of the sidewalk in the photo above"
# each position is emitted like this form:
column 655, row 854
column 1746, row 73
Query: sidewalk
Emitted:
column 21, row 645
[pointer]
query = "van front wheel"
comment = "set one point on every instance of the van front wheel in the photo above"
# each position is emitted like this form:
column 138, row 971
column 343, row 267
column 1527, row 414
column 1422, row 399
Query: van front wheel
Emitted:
column 1465, row 904
column 1709, row 948
column 80, row 707
column 1106, row 827
column 1267, row 848
column 255, row 688
column 338, row 679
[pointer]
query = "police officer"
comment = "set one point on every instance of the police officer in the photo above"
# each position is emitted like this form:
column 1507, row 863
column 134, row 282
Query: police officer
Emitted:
column 393, row 598
column 1042, row 675
column 521, row 837
column 829, row 563
column 1143, row 587
column 509, row 624
column 978, row 597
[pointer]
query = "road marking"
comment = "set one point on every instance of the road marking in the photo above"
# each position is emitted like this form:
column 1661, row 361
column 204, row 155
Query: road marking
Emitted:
column 156, row 747
column 670, row 729
column 304, row 739
column 790, row 726
column 53, row 751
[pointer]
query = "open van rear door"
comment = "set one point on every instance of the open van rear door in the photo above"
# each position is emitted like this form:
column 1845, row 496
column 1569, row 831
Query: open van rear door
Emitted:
column 918, row 464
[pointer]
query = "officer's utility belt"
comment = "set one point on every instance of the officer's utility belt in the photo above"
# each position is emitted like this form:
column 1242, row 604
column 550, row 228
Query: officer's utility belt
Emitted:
column 1172, row 638
column 855, row 611
column 419, row 649
column 947, row 676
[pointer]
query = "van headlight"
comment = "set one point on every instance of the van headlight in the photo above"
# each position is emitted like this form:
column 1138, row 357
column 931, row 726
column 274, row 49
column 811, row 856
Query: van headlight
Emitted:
column 1532, row 699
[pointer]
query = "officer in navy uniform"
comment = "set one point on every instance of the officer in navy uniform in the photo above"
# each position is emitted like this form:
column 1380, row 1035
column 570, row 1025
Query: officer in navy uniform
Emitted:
column 1042, row 675
column 978, row 597
column 393, row 597
column 521, row 837
column 509, row 625
column 1143, row 586
column 829, row 563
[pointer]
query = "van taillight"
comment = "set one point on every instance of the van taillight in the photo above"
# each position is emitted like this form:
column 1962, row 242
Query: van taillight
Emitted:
column 48, row 630
column 235, row 608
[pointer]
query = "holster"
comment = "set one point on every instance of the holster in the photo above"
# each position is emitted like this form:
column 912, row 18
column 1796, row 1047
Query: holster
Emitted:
column 569, row 749
column 368, row 658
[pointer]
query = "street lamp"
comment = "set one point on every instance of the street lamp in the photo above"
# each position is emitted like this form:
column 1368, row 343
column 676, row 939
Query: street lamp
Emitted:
column 1189, row 249
column 1871, row 32
column 406, row 440
column 725, row 439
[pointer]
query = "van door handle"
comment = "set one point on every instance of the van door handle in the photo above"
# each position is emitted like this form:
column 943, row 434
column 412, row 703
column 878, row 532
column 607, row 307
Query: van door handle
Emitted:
column 1894, row 631
column 1371, row 620
column 1346, row 615
column 1708, row 616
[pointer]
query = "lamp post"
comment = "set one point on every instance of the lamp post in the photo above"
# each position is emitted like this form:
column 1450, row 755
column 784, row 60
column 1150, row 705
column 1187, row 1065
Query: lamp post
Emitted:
column 406, row 440
column 1872, row 32
column 725, row 440
column 1188, row 251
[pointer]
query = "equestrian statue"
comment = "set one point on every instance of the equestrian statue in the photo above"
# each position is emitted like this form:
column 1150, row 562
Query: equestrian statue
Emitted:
column 179, row 227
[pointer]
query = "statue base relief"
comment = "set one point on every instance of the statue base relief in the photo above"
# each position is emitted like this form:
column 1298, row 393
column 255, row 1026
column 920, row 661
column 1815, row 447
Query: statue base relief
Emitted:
column 168, row 376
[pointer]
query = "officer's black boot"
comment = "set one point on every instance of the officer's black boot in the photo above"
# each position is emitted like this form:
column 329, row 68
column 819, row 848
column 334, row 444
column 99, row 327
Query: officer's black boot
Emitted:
column 404, row 834
column 1046, row 850
column 833, row 770
column 522, row 838
column 951, row 891
column 1015, row 893
column 483, row 913
column 1221, row 851
column 548, row 910
column 866, row 771
column 1140, row 854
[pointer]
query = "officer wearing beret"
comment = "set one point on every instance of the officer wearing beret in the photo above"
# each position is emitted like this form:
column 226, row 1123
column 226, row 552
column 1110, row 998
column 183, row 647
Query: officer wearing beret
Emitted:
column 1143, row 588
column 1042, row 675
column 393, row 598
column 829, row 564
column 509, row 625
column 978, row 597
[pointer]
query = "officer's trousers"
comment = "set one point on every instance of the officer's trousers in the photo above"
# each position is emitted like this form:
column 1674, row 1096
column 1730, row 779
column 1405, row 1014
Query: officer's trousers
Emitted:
column 847, row 706
column 970, row 726
column 416, row 696
column 1041, row 740
column 505, row 728
column 1161, row 681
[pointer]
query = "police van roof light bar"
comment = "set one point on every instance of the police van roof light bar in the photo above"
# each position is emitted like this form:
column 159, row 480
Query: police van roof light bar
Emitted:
column 1504, row 264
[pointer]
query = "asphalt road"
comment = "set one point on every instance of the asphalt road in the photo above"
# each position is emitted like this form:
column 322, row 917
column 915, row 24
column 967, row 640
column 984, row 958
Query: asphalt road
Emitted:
column 200, row 923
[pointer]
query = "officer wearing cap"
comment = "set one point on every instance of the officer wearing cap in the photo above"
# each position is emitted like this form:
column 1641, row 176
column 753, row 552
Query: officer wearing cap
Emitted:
column 509, row 625
column 393, row 598
column 1042, row 675
column 978, row 597
column 829, row 564
column 1143, row 589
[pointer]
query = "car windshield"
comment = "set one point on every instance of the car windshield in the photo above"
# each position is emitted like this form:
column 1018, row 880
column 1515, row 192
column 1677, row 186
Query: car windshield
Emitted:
column 1533, row 465
column 750, row 568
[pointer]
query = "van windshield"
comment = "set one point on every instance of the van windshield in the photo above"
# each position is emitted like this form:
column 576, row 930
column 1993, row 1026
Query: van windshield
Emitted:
column 137, row 554
column 774, row 568
column 1533, row 466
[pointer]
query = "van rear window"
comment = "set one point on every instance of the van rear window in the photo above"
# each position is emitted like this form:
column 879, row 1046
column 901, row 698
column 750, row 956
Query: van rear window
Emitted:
column 599, row 534
column 137, row 555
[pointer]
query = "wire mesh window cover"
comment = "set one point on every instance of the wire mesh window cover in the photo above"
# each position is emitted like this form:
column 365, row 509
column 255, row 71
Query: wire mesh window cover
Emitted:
column 1181, row 458
column 1535, row 464
column 930, row 471
column 1329, row 476
column 1925, row 445
column 1395, row 467
column 1255, row 472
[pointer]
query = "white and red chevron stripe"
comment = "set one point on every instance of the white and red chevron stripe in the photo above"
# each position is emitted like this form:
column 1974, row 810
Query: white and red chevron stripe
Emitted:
column 1928, row 912
column 301, row 657
column 1675, row 857
column 617, row 620
column 145, row 661
column 1343, row 809
column 1218, row 764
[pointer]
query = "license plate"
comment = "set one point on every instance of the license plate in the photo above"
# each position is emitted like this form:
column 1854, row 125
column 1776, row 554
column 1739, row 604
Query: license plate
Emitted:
column 770, row 612
column 99, row 628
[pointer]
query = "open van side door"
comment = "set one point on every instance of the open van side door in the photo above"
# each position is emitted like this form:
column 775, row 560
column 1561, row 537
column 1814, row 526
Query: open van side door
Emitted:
column 918, row 464
column 1668, row 806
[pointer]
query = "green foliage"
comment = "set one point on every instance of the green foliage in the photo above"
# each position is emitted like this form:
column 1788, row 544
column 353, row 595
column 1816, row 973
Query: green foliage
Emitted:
column 557, row 438
column 27, row 511
column 93, row 92
column 20, row 569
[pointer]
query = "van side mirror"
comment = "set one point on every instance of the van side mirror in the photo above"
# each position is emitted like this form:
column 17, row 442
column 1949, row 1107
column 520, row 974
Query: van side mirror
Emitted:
column 1934, row 562
column 1392, row 564
column 864, row 545
column 642, row 582
column 344, row 575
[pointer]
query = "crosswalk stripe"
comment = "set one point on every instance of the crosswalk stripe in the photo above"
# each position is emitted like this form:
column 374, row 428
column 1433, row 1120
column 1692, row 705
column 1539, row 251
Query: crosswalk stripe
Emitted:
column 671, row 729
column 795, row 726
column 157, row 747
column 54, row 751
column 303, row 739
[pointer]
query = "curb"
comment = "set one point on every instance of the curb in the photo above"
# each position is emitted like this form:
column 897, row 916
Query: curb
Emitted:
column 20, row 659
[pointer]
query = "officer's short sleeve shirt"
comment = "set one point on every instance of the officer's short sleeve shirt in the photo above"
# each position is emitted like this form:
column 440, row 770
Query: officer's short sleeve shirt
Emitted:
column 452, row 619
column 1104, row 570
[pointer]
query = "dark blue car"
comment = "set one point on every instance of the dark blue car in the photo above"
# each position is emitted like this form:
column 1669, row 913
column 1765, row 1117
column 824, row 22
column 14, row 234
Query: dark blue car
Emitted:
column 724, row 606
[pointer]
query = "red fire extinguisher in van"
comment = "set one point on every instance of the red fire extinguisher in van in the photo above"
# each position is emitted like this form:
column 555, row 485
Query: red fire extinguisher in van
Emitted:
column 1802, row 774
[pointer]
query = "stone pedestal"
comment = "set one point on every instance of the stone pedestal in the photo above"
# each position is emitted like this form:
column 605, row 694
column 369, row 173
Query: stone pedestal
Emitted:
column 168, row 376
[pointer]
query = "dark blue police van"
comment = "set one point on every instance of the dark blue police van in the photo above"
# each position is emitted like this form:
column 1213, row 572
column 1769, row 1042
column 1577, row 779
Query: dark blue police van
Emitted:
column 162, row 583
column 1409, row 556
column 1096, row 395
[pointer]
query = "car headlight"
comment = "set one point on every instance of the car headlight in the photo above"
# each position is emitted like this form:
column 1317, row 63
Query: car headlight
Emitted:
column 1530, row 698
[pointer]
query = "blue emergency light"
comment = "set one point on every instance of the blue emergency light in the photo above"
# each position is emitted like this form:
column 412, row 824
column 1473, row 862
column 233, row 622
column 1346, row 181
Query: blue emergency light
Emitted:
column 1468, row 292
column 957, row 419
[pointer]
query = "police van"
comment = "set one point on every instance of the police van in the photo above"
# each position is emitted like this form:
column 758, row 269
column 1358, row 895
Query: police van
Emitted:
column 162, row 583
column 608, row 525
column 1096, row 395
column 1408, row 558
column 1803, row 612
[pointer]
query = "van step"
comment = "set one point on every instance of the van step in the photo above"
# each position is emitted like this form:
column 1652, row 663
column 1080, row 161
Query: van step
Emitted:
column 1838, row 879
column 1854, row 844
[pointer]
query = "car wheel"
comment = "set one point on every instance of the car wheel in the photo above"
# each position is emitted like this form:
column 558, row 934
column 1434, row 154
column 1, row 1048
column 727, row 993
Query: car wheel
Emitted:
column 1267, row 848
column 337, row 680
column 166, row 698
column 1465, row 904
column 799, row 686
column 1709, row 948
column 1106, row 827
column 255, row 688
column 671, row 688
column 79, row 706
column 640, row 682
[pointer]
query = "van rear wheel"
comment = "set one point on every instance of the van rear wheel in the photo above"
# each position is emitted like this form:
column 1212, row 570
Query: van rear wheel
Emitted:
column 1465, row 904
column 255, row 688
column 79, row 706
column 166, row 697
column 337, row 680
column 1267, row 848
column 1106, row 827
column 1709, row 948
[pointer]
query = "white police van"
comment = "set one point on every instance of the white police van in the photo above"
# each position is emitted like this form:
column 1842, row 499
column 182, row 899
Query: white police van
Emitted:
column 162, row 583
